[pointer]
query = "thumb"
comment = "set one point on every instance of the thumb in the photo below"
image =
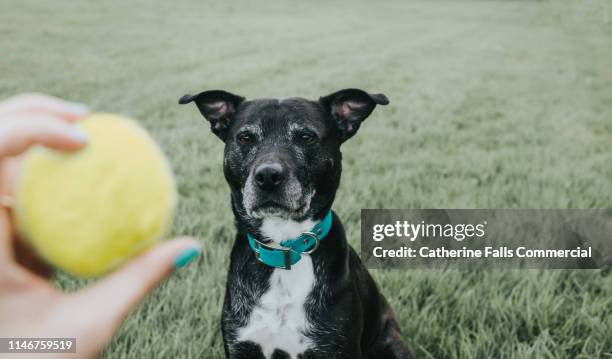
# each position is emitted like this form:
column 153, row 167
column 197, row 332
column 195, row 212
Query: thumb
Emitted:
column 111, row 299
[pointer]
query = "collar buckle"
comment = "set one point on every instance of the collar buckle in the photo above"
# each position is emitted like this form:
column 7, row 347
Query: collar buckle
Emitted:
column 284, row 250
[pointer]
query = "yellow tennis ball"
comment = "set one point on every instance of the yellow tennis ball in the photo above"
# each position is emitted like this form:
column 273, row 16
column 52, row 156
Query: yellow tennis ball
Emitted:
column 87, row 212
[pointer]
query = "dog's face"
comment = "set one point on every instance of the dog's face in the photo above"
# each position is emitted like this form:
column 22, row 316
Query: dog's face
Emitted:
column 282, row 157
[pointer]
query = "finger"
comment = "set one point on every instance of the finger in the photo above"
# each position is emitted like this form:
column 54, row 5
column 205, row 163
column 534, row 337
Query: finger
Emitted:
column 18, row 135
column 35, row 103
column 113, row 297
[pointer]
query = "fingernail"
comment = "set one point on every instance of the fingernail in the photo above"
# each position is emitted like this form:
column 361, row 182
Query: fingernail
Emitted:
column 79, row 135
column 78, row 107
column 186, row 257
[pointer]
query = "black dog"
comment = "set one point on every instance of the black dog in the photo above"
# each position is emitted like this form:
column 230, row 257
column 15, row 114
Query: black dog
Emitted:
column 295, row 288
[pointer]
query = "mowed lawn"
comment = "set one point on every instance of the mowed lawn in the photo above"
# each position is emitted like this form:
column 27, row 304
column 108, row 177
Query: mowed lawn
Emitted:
column 495, row 104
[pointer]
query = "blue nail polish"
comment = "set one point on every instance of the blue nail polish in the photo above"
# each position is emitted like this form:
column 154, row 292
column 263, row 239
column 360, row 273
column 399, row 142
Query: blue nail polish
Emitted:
column 79, row 135
column 78, row 107
column 186, row 257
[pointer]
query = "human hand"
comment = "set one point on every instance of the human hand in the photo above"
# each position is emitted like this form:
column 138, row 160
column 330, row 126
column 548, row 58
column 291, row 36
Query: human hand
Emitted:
column 29, row 305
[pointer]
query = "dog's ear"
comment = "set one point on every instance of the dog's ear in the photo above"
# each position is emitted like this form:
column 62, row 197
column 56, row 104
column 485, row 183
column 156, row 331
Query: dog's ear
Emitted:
column 218, row 107
column 350, row 107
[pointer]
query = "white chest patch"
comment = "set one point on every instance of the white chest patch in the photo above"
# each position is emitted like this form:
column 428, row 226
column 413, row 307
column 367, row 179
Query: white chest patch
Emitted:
column 279, row 229
column 278, row 321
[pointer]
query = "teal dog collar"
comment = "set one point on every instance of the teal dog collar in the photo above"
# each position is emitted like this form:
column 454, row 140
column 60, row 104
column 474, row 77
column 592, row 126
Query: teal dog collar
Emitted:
column 290, row 251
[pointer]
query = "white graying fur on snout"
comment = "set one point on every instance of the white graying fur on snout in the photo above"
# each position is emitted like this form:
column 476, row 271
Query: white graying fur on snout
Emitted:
column 291, row 196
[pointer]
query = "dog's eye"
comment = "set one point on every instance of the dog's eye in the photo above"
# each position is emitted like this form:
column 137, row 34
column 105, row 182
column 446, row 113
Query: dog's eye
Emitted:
column 307, row 138
column 245, row 138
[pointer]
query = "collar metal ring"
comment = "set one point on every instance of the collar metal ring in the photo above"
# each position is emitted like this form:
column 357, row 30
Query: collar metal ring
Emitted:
column 312, row 235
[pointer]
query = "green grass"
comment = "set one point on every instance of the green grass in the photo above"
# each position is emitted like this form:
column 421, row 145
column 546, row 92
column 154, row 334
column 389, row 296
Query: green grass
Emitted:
column 493, row 105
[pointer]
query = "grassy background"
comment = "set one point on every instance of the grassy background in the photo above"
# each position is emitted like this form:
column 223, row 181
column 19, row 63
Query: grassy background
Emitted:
column 493, row 105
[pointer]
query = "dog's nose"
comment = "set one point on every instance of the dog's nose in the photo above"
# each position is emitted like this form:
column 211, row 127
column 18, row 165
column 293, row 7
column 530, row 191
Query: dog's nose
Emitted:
column 268, row 176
